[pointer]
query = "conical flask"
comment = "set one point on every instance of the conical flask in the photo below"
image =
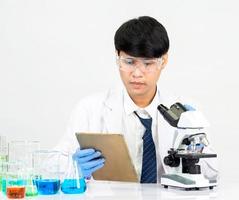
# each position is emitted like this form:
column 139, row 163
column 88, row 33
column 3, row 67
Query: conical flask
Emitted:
column 74, row 182
column 31, row 188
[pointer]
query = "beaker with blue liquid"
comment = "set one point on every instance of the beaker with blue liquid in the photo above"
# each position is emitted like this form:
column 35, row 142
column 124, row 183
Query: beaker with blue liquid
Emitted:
column 46, row 164
column 74, row 182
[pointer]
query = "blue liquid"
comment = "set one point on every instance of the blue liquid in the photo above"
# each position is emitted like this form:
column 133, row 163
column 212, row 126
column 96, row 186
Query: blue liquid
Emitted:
column 4, row 186
column 47, row 186
column 73, row 186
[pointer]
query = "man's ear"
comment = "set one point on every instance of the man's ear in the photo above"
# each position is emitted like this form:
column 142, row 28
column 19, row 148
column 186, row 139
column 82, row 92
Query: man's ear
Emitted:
column 164, row 60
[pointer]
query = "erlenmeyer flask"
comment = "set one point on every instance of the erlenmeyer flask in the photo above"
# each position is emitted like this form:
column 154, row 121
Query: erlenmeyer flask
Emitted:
column 31, row 189
column 31, row 174
column 74, row 182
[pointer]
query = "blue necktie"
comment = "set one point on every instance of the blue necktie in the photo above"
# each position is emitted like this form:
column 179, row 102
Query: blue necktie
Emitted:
column 149, row 164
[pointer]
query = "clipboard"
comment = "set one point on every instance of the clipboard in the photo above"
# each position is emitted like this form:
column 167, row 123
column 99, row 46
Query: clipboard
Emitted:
column 118, row 165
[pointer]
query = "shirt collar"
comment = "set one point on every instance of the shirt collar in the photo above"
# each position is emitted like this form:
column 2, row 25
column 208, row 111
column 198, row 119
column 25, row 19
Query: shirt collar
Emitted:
column 151, row 109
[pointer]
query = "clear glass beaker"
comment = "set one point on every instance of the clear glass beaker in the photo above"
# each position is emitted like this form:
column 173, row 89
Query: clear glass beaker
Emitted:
column 74, row 182
column 21, row 151
column 18, row 151
column 46, row 165
column 32, row 146
column 14, row 181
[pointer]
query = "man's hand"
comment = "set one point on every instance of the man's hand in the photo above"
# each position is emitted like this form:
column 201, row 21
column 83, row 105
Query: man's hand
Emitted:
column 89, row 160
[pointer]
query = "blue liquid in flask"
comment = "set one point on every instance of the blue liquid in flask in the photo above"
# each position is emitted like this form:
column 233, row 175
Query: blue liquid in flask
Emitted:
column 73, row 186
column 47, row 186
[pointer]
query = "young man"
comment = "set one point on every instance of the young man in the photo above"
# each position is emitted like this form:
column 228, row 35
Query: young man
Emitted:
column 141, row 46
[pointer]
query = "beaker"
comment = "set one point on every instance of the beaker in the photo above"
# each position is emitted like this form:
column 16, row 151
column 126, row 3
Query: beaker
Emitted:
column 32, row 146
column 46, row 165
column 18, row 151
column 74, row 182
column 14, row 181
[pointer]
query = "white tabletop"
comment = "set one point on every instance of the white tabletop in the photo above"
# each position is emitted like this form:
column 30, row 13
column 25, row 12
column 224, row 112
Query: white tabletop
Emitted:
column 105, row 190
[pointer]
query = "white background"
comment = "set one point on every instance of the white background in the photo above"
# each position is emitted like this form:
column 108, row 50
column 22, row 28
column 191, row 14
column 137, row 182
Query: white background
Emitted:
column 54, row 52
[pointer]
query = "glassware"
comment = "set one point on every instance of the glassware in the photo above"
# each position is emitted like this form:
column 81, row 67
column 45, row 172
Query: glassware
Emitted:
column 31, row 174
column 3, row 171
column 18, row 151
column 21, row 151
column 46, row 164
column 14, row 181
column 74, row 182
column 31, row 188
column 3, row 156
column 3, row 148
column 32, row 146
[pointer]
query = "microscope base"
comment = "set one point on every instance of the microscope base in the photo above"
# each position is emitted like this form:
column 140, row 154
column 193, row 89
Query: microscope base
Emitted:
column 187, row 181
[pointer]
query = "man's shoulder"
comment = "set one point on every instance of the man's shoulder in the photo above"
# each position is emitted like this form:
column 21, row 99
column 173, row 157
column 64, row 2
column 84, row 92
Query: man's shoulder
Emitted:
column 104, row 97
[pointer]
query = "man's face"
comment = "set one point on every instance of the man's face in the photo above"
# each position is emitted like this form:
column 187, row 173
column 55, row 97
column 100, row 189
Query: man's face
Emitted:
column 138, row 81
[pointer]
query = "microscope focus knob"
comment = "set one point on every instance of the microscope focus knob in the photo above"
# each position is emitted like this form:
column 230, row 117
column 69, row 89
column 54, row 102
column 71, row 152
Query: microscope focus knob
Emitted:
column 171, row 161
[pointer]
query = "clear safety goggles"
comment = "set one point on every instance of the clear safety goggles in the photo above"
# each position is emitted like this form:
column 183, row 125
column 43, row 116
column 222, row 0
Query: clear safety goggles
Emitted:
column 129, row 64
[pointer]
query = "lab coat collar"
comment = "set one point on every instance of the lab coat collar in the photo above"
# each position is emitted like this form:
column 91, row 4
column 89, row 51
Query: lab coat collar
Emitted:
column 112, row 114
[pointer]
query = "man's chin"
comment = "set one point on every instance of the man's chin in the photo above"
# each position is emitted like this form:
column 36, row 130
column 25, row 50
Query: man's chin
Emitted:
column 136, row 92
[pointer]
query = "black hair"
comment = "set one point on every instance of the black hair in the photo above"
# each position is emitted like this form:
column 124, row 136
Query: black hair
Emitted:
column 142, row 37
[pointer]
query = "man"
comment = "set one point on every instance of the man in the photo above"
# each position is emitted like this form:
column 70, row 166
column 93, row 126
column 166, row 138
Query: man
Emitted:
column 141, row 46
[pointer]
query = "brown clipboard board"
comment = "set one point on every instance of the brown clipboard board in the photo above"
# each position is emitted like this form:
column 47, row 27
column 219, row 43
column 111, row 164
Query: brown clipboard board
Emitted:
column 118, row 165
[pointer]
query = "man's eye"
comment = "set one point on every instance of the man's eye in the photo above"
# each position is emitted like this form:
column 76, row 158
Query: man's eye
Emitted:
column 148, row 63
column 129, row 61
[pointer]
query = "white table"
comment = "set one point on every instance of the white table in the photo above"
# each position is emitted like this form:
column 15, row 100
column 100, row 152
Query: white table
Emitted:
column 105, row 190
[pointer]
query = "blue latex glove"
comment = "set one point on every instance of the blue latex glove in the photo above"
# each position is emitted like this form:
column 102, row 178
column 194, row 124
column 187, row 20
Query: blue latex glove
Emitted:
column 89, row 160
column 189, row 107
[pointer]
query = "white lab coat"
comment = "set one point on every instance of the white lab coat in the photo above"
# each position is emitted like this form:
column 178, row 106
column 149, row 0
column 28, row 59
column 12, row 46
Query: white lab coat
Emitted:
column 103, row 113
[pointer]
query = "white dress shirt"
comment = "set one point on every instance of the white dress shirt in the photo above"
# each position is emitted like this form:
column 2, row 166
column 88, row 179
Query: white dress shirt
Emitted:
column 133, row 130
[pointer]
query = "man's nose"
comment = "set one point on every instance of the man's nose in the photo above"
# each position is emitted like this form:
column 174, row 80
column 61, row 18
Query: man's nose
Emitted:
column 137, row 71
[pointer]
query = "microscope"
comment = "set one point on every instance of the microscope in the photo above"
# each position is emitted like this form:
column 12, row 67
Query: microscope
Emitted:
column 187, row 149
